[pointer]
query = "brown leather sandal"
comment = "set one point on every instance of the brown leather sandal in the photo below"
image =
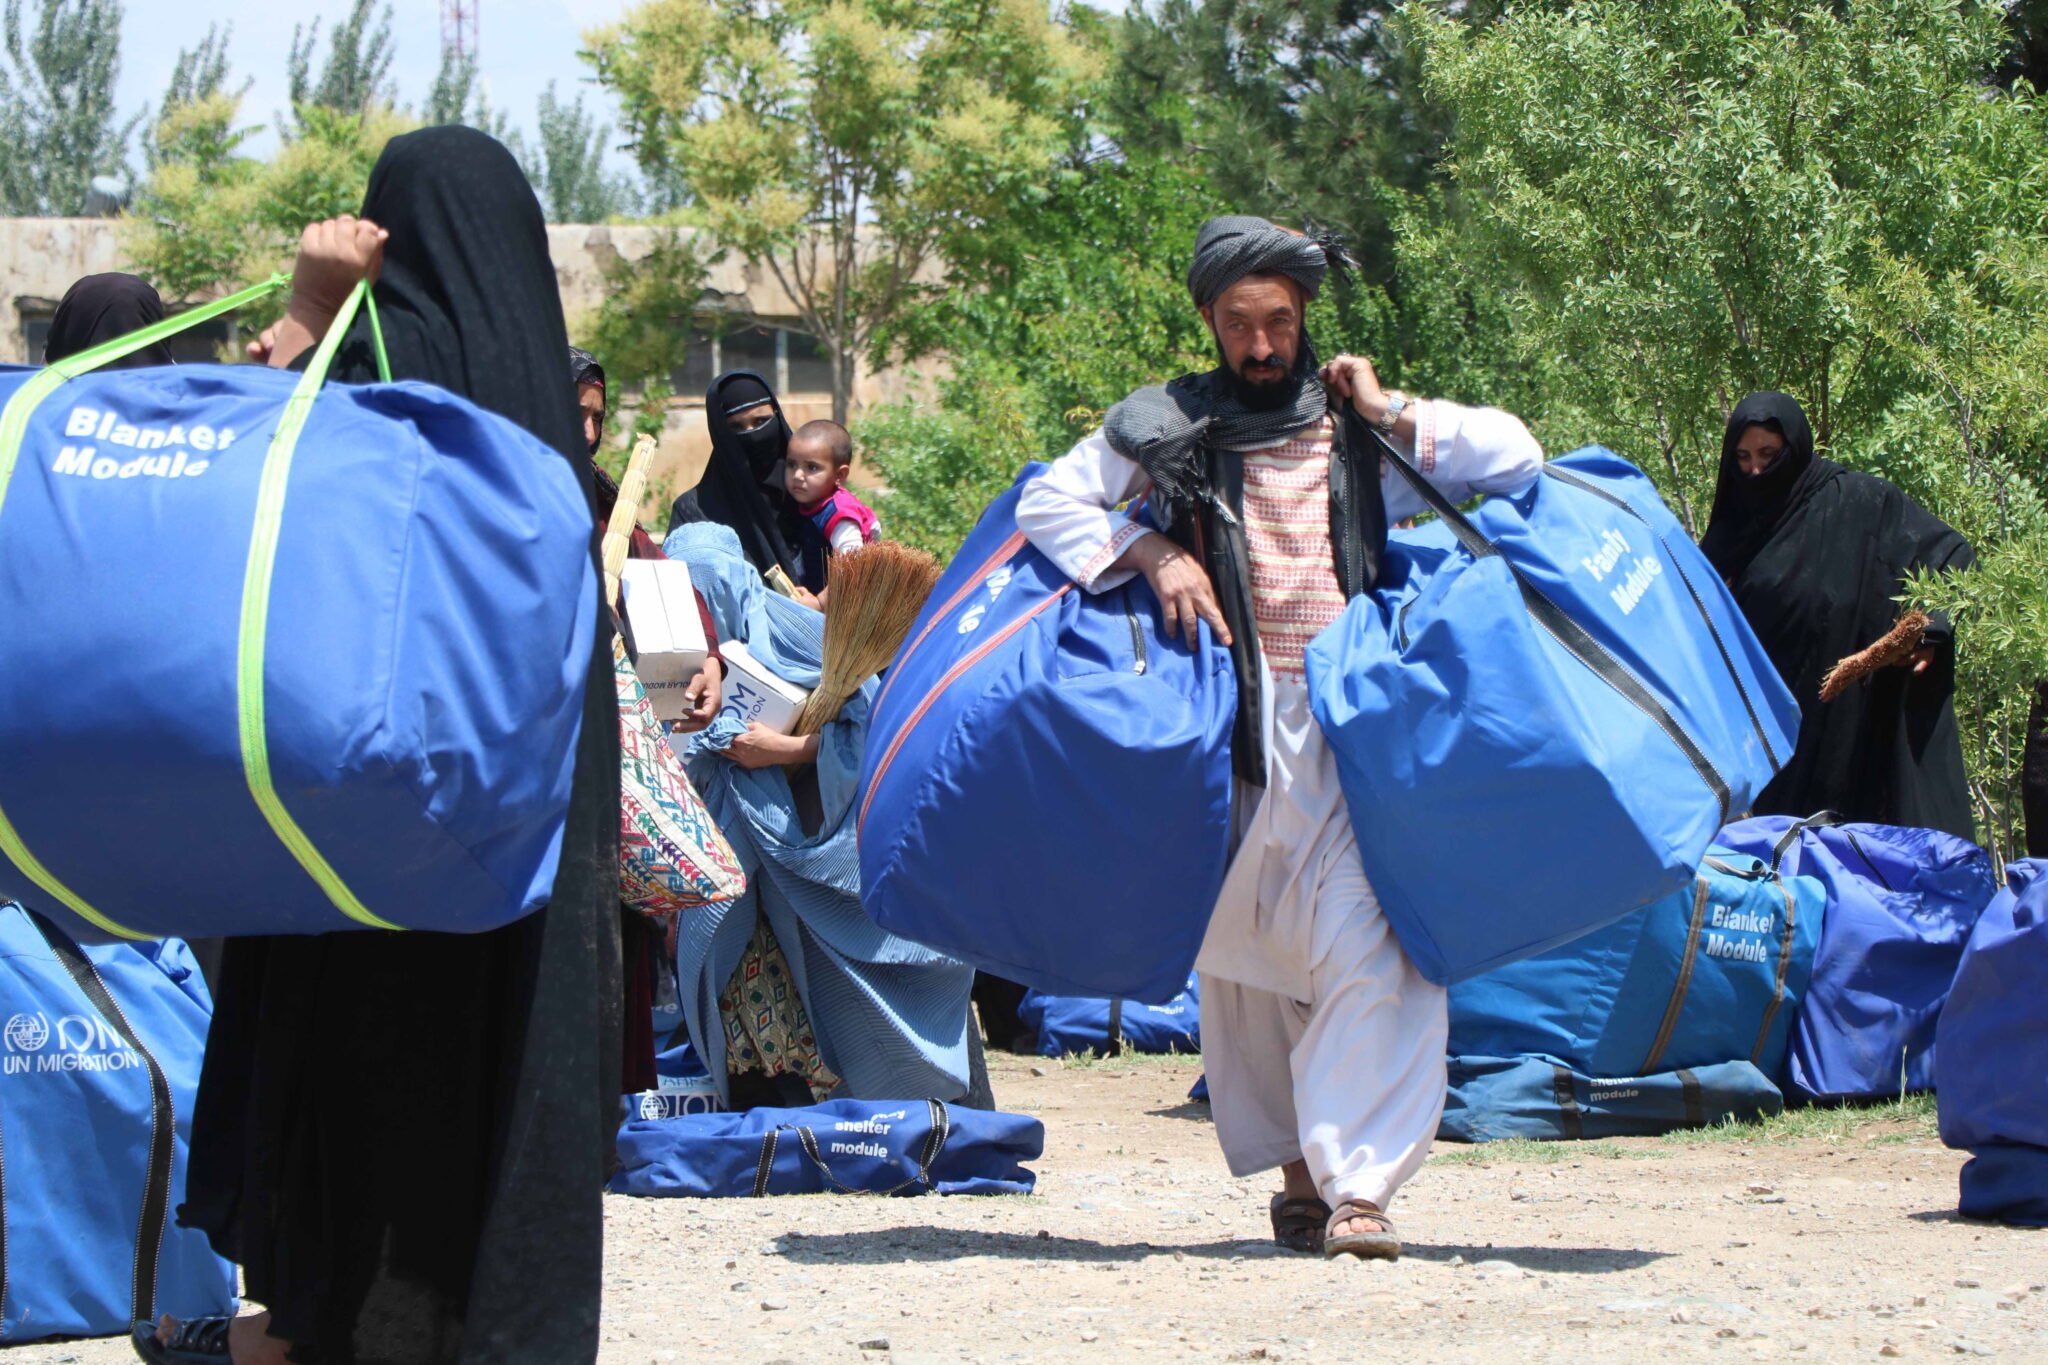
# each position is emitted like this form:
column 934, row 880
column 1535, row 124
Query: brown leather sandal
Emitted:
column 1298, row 1224
column 1378, row 1243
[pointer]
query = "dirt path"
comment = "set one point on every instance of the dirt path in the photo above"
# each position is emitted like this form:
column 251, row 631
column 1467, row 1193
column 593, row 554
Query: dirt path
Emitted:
column 1829, row 1241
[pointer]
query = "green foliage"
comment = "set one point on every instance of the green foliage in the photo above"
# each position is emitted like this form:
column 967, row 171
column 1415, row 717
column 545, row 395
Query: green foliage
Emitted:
column 845, row 145
column 454, row 97
column 567, row 164
column 355, row 78
column 640, row 333
column 57, row 104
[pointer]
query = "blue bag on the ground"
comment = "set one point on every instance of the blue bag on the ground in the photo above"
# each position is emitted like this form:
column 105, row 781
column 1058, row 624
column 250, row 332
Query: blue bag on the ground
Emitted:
column 840, row 1146
column 1078, row 1024
column 1534, row 1097
column 1028, row 738
column 99, row 1063
column 1712, row 973
column 353, row 655
column 1542, row 714
column 1901, row 903
column 1993, row 1043
column 681, row 1084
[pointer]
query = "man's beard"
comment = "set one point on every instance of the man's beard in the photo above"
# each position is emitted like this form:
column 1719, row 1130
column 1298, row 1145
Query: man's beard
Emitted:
column 1264, row 393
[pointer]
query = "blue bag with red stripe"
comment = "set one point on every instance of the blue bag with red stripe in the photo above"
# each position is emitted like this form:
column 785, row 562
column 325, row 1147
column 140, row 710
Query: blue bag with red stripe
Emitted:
column 1046, row 792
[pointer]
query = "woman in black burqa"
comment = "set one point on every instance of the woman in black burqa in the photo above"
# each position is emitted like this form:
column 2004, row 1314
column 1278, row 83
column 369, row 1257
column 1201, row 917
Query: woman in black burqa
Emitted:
column 98, row 308
column 1817, row 556
column 742, row 485
column 402, row 1137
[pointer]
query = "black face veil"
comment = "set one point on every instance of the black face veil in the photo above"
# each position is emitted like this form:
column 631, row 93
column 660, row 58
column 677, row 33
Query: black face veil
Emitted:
column 100, row 308
column 742, row 484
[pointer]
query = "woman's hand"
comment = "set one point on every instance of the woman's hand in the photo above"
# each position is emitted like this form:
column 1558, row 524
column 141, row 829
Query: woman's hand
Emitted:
column 761, row 747
column 1183, row 589
column 703, row 696
column 334, row 256
column 1920, row 660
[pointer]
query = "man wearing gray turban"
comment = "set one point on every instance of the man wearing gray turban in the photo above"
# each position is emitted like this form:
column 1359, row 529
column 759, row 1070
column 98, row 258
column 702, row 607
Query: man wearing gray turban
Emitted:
column 1266, row 511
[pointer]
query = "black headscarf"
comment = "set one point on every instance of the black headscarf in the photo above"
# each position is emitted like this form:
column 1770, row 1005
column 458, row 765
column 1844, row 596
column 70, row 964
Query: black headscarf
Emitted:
column 1748, row 508
column 101, row 307
column 1816, row 556
column 742, row 485
column 584, row 369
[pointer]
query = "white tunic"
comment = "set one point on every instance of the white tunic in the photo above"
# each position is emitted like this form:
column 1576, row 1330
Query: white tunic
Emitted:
column 1263, row 931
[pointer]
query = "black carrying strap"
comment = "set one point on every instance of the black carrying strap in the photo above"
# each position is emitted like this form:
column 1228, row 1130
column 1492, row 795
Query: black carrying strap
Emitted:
column 1116, row 1028
column 1565, row 1093
column 1787, row 936
column 1818, row 820
column 156, row 1187
column 1577, row 641
column 1693, row 1098
column 934, row 1143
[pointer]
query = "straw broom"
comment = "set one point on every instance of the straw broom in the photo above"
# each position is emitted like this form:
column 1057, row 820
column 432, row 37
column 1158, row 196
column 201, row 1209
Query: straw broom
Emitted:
column 1895, row 647
column 618, row 532
column 876, row 594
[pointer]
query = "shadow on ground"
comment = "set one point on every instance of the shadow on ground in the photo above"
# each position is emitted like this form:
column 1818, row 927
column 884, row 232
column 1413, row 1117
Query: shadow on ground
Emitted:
column 924, row 1243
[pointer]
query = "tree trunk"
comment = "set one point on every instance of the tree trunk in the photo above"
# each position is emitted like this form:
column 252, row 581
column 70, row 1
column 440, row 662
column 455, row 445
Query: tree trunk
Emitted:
column 845, row 367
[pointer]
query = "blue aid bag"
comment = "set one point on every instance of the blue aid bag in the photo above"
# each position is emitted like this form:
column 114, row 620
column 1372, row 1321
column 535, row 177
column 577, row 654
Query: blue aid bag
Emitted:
column 1901, row 905
column 1070, row 1025
column 100, row 1049
column 1714, row 972
column 1993, row 1045
column 1030, row 738
column 839, row 1147
column 1491, row 1098
column 1542, row 715
column 282, row 659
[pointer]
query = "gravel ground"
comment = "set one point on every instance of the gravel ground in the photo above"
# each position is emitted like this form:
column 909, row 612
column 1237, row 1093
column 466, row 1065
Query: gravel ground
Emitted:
column 1814, row 1238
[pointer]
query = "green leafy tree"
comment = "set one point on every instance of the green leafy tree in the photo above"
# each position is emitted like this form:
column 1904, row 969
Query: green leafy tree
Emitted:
column 641, row 332
column 57, row 111
column 844, row 146
column 355, row 78
column 566, row 164
column 1685, row 202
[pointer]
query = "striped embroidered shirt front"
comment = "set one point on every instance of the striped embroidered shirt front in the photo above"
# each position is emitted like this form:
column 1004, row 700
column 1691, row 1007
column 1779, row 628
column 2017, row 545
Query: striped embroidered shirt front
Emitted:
column 1295, row 592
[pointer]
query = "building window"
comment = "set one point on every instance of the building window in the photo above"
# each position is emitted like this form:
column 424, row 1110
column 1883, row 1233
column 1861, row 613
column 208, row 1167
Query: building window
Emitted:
column 810, row 368
column 791, row 361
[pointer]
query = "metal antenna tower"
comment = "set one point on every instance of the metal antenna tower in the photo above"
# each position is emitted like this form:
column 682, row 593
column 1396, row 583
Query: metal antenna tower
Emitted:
column 461, row 21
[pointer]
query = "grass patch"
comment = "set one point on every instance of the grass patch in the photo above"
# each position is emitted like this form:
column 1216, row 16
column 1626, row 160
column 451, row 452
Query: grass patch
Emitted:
column 1909, row 1119
column 1129, row 1060
column 1537, row 1152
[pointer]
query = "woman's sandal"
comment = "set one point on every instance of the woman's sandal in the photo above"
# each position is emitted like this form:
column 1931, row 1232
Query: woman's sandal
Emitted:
column 1298, row 1223
column 195, row 1341
column 1377, row 1243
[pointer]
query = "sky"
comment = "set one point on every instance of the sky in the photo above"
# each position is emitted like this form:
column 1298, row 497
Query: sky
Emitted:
column 523, row 44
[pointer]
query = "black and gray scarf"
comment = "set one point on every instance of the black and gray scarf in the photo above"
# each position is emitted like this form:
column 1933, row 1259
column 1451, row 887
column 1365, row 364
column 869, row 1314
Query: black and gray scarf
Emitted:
column 1168, row 427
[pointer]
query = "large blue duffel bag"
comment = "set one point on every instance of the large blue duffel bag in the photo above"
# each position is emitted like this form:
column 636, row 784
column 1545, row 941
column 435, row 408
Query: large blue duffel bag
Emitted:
column 99, row 1063
column 838, row 1147
column 1492, row 1098
column 1542, row 715
column 1993, row 1043
column 342, row 632
column 1071, row 1025
column 1031, row 737
column 1901, row 903
column 1713, row 973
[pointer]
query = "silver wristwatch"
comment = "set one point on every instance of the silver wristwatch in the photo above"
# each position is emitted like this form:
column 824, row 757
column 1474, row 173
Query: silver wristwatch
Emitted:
column 1396, row 402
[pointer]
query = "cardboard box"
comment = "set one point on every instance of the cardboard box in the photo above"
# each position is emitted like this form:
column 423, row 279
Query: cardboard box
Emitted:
column 753, row 693
column 668, row 633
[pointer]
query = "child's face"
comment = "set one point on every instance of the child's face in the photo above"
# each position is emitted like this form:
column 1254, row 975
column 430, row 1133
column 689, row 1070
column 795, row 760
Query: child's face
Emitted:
column 810, row 474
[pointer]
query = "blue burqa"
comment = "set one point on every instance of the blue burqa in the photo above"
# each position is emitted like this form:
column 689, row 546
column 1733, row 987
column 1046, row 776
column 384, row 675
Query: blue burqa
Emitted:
column 890, row 1015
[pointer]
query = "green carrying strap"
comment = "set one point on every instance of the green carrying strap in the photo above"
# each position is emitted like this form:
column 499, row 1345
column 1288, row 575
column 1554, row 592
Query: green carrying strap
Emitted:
column 272, row 484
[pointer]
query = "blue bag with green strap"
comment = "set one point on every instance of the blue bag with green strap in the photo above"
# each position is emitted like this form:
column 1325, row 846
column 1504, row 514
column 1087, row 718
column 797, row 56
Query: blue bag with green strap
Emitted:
column 281, row 658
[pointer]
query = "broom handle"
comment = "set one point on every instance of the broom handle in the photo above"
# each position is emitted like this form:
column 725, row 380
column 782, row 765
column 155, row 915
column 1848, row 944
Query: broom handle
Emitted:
column 618, row 534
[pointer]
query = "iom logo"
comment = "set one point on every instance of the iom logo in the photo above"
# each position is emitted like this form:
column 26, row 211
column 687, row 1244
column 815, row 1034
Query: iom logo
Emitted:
column 27, row 1032
column 994, row 583
column 83, row 1043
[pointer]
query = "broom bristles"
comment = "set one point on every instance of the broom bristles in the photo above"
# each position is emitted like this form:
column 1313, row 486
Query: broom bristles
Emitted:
column 874, row 597
column 1894, row 646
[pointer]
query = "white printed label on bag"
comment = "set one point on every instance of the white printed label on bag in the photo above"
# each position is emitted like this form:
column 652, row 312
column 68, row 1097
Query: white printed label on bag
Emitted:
column 102, row 446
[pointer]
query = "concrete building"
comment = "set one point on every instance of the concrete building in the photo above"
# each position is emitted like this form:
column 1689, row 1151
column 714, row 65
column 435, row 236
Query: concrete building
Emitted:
column 746, row 321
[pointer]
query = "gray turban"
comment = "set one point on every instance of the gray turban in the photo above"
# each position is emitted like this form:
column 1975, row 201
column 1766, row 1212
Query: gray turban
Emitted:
column 1229, row 248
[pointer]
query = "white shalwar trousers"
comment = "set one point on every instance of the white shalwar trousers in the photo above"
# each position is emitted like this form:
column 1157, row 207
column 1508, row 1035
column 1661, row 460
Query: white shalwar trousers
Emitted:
column 1320, row 1039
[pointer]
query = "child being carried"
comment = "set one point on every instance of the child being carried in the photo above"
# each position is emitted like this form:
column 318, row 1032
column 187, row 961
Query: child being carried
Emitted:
column 819, row 458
